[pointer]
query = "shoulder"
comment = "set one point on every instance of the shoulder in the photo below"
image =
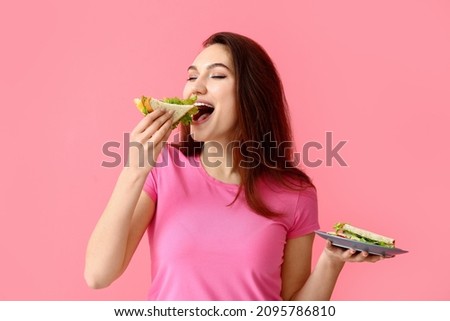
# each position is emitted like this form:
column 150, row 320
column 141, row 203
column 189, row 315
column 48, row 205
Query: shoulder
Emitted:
column 297, row 205
column 292, row 191
column 307, row 197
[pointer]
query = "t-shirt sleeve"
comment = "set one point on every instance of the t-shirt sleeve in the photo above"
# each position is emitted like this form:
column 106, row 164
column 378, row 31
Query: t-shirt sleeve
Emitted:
column 306, row 217
column 150, row 185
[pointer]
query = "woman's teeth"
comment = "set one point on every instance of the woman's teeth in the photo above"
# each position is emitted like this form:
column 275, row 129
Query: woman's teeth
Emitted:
column 204, row 111
column 201, row 104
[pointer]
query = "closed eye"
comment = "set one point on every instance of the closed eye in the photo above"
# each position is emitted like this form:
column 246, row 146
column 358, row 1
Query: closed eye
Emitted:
column 192, row 78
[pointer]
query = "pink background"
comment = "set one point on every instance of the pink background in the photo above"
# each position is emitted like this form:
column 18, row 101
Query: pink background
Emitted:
column 376, row 74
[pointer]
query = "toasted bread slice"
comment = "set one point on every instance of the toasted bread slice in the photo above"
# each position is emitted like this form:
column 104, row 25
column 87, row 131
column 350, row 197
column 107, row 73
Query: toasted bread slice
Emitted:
column 149, row 104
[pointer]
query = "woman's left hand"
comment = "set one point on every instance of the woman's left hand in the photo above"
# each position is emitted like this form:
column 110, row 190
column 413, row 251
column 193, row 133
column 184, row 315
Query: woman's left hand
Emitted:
column 349, row 255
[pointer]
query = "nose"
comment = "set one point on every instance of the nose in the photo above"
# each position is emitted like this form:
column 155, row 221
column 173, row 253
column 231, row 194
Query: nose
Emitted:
column 198, row 87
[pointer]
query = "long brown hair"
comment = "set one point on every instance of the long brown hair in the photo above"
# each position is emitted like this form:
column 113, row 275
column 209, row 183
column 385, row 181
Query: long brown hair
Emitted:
column 263, row 127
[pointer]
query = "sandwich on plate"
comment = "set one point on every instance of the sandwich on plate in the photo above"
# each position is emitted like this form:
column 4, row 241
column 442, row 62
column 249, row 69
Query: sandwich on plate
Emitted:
column 358, row 234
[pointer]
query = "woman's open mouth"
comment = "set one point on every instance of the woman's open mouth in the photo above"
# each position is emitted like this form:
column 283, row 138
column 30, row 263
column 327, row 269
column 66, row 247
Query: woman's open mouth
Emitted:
column 204, row 111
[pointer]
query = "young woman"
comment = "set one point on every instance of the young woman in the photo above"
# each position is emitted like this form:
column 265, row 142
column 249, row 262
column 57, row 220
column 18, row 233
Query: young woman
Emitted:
column 229, row 216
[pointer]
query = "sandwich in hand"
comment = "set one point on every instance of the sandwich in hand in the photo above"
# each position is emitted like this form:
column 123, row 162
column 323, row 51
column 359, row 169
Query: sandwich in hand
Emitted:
column 183, row 109
column 357, row 234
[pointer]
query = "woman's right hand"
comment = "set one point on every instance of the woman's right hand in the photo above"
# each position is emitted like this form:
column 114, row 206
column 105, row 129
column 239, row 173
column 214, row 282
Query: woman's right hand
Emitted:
column 129, row 210
column 147, row 140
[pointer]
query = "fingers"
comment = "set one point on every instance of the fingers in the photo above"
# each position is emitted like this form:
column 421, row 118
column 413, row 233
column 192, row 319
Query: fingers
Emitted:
column 147, row 120
column 159, row 129
column 364, row 257
column 360, row 256
column 153, row 118
column 169, row 131
column 158, row 120
column 351, row 255
column 348, row 254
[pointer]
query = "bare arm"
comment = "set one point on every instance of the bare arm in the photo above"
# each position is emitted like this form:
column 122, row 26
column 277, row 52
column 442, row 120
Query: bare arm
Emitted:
column 300, row 284
column 296, row 265
column 321, row 282
column 118, row 231
column 129, row 210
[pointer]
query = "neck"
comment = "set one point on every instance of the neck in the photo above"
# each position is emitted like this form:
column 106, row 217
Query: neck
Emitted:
column 217, row 159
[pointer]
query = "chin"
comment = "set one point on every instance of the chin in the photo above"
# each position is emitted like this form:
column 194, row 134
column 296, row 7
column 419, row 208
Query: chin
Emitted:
column 198, row 136
column 209, row 135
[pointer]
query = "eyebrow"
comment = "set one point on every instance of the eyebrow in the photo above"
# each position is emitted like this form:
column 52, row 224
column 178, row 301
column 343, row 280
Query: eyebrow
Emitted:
column 214, row 65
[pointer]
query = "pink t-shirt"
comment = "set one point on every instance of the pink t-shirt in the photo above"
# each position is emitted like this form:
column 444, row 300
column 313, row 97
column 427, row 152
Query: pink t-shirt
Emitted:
column 203, row 249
